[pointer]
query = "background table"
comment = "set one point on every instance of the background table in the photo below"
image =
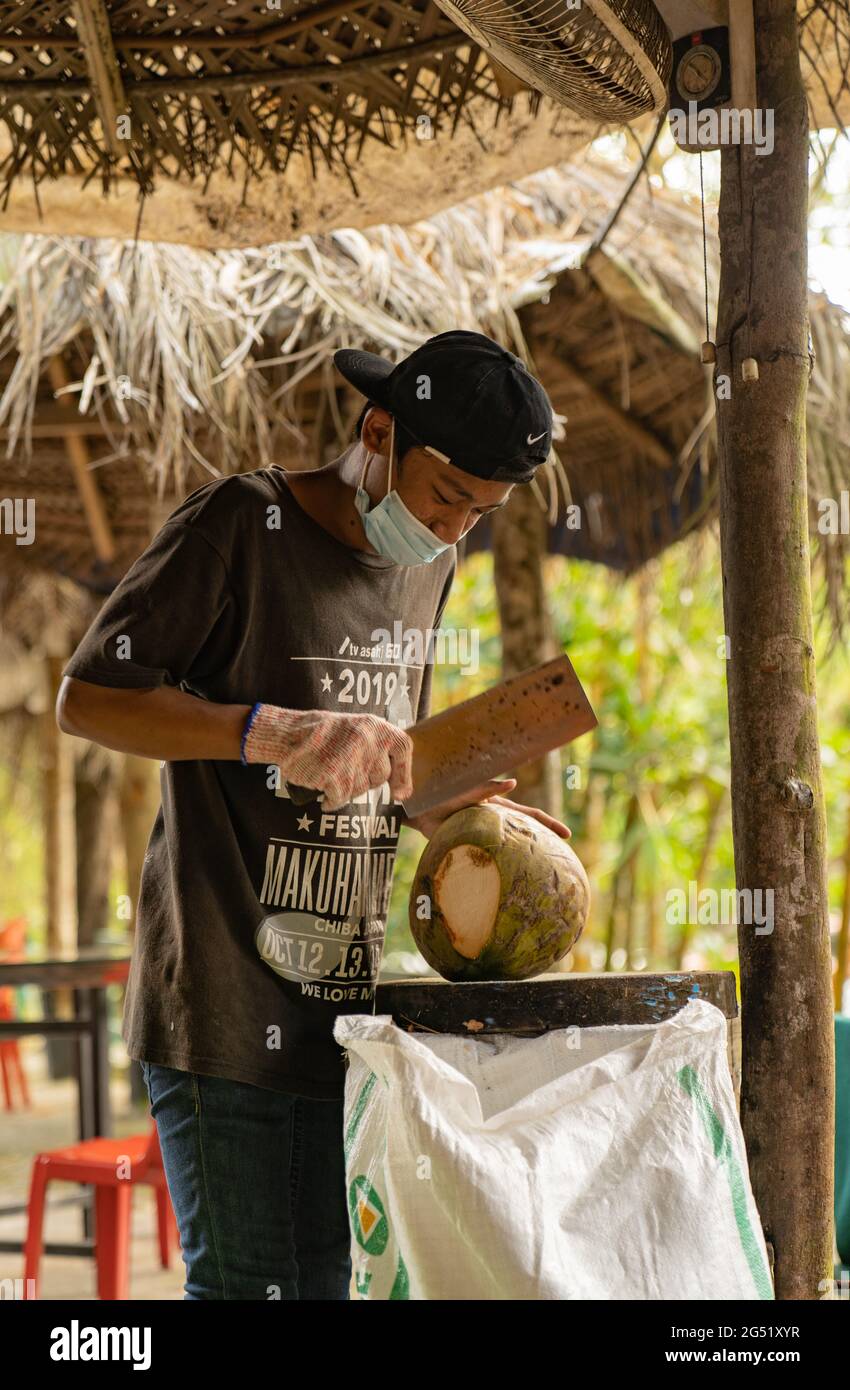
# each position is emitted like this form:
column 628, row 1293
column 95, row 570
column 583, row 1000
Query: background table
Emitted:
column 87, row 972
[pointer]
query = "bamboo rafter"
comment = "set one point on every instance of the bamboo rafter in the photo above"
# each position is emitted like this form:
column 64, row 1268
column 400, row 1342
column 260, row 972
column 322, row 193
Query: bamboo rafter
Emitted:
column 110, row 100
column 79, row 458
column 210, row 87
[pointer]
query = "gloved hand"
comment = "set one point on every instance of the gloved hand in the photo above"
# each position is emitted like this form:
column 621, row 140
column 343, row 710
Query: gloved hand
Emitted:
column 341, row 755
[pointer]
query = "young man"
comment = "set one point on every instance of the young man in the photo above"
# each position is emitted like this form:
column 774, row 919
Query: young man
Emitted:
column 253, row 648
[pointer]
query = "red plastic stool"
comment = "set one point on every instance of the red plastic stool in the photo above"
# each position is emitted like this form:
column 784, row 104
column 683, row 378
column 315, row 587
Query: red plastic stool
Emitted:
column 95, row 1162
column 12, row 938
column 10, row 1057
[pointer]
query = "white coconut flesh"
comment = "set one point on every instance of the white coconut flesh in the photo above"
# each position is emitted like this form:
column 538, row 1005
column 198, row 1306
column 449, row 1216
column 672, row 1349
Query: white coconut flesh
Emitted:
column 468, row 889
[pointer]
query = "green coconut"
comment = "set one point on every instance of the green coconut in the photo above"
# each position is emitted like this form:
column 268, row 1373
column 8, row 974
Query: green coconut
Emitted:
column 497, row 896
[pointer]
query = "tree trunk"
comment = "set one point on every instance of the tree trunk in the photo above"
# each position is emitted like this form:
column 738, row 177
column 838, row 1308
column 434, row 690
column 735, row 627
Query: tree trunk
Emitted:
column 630, row 898
column 716, row 803
column 57, row 751
column 95, row 833
column 619, row 882
column 778, row 820
column 652, row 918
column 586, row 845
column 646, row 608
column 587, row 836
column 139, row 803
column 520, row 536
column 843, row 963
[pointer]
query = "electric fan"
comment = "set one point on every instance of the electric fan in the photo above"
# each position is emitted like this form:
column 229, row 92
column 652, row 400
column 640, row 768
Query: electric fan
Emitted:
column 608, row 59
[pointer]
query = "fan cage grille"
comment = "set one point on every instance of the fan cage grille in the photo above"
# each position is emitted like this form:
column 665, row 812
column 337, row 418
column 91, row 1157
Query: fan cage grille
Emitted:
column 609, row 59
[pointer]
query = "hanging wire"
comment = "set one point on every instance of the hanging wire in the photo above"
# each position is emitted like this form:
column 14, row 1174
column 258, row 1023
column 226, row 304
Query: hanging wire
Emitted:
column 750, row 235
column 704, row 245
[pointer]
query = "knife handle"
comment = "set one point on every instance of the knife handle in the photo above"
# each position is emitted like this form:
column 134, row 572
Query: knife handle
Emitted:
column 302, row 795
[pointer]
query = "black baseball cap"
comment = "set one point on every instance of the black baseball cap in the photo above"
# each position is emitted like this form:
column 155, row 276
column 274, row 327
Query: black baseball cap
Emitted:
column 465, row 396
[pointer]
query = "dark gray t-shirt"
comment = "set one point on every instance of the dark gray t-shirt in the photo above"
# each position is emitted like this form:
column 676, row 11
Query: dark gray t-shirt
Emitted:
column 260, row 921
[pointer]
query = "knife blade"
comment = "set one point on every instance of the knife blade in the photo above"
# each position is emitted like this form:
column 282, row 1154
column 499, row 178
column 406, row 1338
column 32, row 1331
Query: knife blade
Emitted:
column 508, row 725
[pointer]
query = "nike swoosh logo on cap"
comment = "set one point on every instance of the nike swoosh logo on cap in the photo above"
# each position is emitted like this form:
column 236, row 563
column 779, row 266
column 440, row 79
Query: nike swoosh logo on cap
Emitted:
column 529, row 440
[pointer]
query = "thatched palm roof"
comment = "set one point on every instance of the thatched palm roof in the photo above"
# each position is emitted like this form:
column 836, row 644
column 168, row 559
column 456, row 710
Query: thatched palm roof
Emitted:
column 824, row 27
column 184, row 364
column 617, row 344
column 244, row 123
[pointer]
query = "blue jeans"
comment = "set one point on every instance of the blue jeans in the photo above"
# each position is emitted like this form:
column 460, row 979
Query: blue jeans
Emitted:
column 257, row 1182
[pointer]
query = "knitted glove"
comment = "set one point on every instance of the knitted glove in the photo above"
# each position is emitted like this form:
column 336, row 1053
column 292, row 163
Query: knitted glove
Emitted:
column 341, row 755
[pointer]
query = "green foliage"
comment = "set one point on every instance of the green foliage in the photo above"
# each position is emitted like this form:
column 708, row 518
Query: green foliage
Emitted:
column 664, row 753
column 669, row 749
column 21, row 844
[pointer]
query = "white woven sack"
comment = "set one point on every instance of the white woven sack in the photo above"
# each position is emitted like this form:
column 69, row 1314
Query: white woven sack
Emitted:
column 602, row 1163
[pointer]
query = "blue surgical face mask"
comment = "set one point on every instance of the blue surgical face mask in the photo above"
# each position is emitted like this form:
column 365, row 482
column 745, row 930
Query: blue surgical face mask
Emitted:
column 393, row 530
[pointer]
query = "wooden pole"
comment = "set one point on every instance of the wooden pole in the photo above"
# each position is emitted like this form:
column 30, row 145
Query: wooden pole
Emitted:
column 139, row 801
column 60, row 886
column 80, row 461
column 778, row 818
column 94, row 815
column 95, row 34
column 586, row 845
column 843, row 964
column 655, row 941
column 715, row 804
column 520, row 536
column 620, row 881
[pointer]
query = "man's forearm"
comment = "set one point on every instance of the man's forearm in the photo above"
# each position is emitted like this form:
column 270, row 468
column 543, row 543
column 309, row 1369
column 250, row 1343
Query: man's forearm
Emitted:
column 165, row 723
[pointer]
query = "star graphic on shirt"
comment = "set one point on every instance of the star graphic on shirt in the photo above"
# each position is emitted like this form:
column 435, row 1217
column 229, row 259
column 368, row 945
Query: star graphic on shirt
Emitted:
column 326, row 682
column 304, row 822
column 405, row 689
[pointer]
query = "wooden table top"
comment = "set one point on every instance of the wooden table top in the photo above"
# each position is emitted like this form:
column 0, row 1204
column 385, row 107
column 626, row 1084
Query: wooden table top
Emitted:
column 87, row 967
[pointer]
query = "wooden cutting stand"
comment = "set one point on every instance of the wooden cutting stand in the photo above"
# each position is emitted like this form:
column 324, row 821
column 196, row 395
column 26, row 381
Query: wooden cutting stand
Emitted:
column 527, row 1008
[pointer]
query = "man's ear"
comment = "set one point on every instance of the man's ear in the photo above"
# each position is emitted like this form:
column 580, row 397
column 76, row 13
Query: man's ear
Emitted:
column 375, row 431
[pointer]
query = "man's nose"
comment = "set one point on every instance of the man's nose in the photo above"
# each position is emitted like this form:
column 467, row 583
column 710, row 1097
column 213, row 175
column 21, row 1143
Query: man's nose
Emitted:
column 451, row 528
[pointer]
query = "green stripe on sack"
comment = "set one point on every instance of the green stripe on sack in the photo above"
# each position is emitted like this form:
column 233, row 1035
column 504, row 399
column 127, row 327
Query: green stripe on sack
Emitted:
column 723, row 1151
column 357, row 1112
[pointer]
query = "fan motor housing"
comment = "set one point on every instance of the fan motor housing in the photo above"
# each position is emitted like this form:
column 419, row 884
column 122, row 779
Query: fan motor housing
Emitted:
column 712, row 86
column 701, row 70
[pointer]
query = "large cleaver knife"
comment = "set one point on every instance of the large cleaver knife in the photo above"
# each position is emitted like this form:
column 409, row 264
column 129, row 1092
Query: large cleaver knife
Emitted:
column 510, row 724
